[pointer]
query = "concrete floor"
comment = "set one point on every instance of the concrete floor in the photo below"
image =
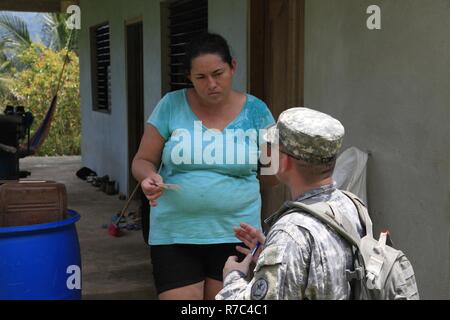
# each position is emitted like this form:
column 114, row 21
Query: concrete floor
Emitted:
column 112, row 268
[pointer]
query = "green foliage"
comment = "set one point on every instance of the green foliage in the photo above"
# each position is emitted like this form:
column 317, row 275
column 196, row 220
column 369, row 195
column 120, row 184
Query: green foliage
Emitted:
column 34, row 86
column 29, row 74
column 14, row 32
column 56, row 34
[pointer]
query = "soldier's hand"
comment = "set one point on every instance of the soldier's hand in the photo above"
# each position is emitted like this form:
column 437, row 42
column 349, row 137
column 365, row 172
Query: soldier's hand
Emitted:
column 232, row 264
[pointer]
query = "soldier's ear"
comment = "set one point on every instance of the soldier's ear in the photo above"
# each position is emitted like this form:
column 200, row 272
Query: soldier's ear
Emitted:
column 285, row 162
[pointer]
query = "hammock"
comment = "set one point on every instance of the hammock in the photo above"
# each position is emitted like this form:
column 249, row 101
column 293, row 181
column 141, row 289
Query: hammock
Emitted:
column 38, row 138
column 35, row 142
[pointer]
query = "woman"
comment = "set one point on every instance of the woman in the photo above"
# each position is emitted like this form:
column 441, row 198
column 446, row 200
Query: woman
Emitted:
column 195, row 135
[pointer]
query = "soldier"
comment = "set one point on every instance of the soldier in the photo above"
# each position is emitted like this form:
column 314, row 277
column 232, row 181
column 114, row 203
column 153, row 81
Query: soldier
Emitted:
column 301, row 257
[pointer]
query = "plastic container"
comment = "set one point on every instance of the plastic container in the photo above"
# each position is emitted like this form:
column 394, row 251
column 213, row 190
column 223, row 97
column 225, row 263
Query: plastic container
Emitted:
column 41, row 262
column 32, row 202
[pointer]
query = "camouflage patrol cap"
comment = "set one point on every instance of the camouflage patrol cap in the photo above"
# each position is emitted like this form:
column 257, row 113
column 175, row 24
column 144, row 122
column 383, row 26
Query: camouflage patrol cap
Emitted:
column 307, row 135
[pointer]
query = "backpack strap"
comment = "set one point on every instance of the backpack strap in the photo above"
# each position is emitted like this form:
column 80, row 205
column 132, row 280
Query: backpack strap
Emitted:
column 362, row 212
column 343, row 220
column 324, row 213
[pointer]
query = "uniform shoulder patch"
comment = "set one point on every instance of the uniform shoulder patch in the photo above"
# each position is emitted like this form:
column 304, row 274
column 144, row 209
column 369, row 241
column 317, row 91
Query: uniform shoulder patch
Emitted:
column 259, row 289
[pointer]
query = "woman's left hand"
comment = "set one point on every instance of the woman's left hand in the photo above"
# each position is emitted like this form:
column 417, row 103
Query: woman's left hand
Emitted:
column 250, row 236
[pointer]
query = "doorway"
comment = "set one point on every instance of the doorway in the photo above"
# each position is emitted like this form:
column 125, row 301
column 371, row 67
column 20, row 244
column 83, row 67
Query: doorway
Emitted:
column 277, row 66
column 135, row 91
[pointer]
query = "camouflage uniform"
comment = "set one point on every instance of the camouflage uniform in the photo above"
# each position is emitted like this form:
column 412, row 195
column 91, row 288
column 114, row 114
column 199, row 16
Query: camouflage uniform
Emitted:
column 302, row 258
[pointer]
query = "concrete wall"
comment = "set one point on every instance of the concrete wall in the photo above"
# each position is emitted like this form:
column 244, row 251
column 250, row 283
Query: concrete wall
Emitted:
column 229, row 18
column 391, row 89
column 104, row 135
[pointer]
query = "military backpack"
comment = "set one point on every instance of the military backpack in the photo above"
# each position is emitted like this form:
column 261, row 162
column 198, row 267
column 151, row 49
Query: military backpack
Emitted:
column 379, row 272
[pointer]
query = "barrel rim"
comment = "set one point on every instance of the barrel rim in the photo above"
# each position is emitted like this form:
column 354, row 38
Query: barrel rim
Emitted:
column 72, row 218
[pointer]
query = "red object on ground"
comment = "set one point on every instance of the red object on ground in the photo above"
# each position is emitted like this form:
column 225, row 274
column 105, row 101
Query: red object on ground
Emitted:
column 113, row 228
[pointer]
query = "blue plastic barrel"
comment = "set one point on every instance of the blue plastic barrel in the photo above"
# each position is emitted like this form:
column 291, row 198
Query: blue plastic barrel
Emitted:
column 41, row 262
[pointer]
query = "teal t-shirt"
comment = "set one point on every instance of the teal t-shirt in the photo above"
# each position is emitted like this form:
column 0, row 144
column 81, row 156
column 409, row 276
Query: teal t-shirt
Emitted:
column 216, row 172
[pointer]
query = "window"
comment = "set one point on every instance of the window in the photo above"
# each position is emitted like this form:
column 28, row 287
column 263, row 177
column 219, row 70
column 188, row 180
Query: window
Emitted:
column 184, row 20
column 101, row 68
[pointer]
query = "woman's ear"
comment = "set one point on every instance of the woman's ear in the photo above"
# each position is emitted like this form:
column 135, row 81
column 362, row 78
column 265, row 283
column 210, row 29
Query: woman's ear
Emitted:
column 233, row 65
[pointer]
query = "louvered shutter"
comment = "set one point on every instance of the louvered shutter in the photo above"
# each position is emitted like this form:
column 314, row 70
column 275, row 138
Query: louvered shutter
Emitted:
column 187, row 18
column 101, row 67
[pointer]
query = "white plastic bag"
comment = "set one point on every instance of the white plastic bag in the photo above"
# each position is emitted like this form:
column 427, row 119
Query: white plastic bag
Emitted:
column 350, row 172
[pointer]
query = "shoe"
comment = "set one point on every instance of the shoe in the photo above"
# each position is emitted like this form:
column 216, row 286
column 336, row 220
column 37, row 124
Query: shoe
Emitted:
column 110, row 188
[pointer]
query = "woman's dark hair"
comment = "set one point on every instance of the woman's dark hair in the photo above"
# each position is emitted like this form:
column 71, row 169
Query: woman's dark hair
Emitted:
column 207, row 43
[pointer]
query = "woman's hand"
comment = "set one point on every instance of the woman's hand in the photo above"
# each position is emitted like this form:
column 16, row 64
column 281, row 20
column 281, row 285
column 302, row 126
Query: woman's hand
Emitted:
column 250, row 236
column 152, row 188
column 146, row 163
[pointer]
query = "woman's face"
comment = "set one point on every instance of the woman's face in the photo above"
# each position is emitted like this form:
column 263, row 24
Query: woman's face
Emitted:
column 212, row 77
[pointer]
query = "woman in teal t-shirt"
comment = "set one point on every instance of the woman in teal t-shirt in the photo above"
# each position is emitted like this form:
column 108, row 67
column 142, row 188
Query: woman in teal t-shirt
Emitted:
column 205, row 140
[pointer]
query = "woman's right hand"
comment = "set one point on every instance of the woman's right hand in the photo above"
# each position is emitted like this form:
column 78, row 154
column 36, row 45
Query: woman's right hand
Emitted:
column 151, row 186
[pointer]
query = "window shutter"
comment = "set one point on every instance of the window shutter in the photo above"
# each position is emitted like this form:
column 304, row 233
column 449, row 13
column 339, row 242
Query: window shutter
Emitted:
column 101, row 67
column 187, row 18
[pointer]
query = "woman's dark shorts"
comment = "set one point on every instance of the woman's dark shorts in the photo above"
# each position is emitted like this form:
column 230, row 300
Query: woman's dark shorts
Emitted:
column 179, row 265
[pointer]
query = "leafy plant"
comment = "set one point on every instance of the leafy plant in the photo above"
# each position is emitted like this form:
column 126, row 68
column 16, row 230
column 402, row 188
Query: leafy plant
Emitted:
column 55, row 33
column 34, row 87
column 29, row 74
column 14, row 32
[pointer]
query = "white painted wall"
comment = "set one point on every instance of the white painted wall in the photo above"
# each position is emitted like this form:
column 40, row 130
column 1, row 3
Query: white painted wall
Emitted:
column 104, row 135
column 391, row 89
